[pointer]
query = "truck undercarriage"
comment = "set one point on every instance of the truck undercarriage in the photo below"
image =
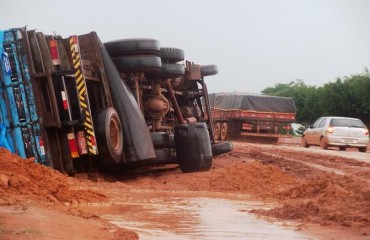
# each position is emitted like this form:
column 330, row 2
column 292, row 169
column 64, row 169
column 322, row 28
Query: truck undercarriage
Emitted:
column 75, row 102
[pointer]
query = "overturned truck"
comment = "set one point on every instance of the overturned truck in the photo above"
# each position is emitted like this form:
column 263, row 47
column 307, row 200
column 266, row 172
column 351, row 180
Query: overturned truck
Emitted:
column 256, row 118
column 72, row 103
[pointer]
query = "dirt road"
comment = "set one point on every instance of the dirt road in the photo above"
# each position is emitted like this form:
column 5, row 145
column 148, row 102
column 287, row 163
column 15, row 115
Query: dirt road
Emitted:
column 273, row 190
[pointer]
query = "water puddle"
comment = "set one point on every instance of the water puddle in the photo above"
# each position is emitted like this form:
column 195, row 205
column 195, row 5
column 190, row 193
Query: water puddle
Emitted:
column 181, row 216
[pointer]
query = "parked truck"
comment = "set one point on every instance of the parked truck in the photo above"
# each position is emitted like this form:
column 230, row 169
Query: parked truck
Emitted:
column 74, row 102
column 260, row 118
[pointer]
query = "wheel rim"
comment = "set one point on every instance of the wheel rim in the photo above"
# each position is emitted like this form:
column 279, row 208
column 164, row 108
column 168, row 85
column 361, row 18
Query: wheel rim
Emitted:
column 223, row 131
column 217, row 131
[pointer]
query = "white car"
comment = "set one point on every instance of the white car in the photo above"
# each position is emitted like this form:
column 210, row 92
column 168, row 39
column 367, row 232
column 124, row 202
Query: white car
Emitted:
column 339, row 132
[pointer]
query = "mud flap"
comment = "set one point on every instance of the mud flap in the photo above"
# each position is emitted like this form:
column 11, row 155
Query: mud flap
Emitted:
column 137, row 141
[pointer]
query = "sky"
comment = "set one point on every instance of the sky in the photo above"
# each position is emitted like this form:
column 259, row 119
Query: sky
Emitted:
column 255, row 43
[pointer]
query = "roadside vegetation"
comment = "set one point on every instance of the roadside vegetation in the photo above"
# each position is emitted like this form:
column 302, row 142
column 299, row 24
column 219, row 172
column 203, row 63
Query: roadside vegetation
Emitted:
column 348, row 97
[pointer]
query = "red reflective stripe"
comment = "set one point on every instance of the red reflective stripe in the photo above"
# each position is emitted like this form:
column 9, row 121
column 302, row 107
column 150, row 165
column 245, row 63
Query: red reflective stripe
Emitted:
column 54, row 52
column 64, row 99
column 72, row 145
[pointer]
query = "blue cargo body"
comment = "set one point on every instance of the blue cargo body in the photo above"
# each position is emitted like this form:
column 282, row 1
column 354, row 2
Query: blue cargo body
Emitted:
column 17, row 105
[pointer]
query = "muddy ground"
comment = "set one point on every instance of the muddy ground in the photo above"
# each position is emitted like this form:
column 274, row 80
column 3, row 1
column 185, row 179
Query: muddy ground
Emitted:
column 324, row 193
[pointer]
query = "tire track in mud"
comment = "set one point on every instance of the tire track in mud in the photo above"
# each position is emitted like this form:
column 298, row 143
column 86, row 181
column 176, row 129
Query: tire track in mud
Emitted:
column 307, row 164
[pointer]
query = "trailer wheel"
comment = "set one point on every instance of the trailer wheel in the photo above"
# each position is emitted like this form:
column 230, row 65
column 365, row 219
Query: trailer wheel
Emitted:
column 109, row 135
column 217, row 131
column 140, row 63
column 221, row 147
column 172, row 55
column 134, row 46
column 208, row 70
column 193, row 147
column 223, row 134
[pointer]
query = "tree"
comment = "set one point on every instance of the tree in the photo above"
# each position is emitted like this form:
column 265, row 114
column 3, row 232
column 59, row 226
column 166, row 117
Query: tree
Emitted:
column 347, row 97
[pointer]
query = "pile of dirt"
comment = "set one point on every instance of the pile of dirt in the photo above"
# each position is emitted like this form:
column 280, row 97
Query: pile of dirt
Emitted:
column 22, row 179
column 251, row 177
column 229, row 174
column 326, row 199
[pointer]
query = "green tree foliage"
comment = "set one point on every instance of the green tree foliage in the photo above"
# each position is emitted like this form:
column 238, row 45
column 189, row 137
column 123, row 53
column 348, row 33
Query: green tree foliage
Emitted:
column 304, row 98
column 348, row 97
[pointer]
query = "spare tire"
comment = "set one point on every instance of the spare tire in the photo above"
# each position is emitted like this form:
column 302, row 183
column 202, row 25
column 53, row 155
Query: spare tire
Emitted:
column 208, row 70
column 109, row 135
column 139, row 63
column 134, row 46
column 172, row 55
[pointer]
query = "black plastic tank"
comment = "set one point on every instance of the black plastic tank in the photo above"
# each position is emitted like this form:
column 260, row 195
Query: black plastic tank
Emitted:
column 193, row 147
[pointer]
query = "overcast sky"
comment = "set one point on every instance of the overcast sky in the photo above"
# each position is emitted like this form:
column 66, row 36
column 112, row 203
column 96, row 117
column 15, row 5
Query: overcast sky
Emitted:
column 255, row 44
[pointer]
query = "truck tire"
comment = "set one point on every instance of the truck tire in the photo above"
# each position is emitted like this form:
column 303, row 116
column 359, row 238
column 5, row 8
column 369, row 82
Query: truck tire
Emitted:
column 172, row 55
column 109, row 135
column 138, row 63
column 221, row 147
column 224, row 130
column 134, row 46
column 193, row 147
column 164, row 156
column 161, row 140
column 217, row 131
column 208, row 70
column 169, row 70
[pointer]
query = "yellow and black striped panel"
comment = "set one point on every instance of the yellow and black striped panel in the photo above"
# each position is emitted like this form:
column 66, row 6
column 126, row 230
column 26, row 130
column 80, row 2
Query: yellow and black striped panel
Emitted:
column 83, row 96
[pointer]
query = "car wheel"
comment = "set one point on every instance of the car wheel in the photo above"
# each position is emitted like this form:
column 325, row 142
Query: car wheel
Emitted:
column 304, row 142
column 362, row 149
column 324, row 143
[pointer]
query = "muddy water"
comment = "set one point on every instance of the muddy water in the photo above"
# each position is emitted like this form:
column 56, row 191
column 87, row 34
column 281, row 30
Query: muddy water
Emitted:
column 181, row 216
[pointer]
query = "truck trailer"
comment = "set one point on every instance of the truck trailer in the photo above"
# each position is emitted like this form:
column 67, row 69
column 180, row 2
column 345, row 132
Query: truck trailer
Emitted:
column 74, row 102
column 260, row 118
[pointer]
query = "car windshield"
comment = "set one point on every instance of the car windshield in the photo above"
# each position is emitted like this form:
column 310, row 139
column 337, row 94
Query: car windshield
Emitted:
column 343, row 122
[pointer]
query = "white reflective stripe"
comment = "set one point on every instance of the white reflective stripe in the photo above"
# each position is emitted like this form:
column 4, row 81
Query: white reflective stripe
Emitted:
column 42, row 149
column 70, row 136
column 64, row 97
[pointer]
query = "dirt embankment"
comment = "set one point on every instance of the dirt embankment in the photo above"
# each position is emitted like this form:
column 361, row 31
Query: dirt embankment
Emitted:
column 42, row 198
column 308, row 188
